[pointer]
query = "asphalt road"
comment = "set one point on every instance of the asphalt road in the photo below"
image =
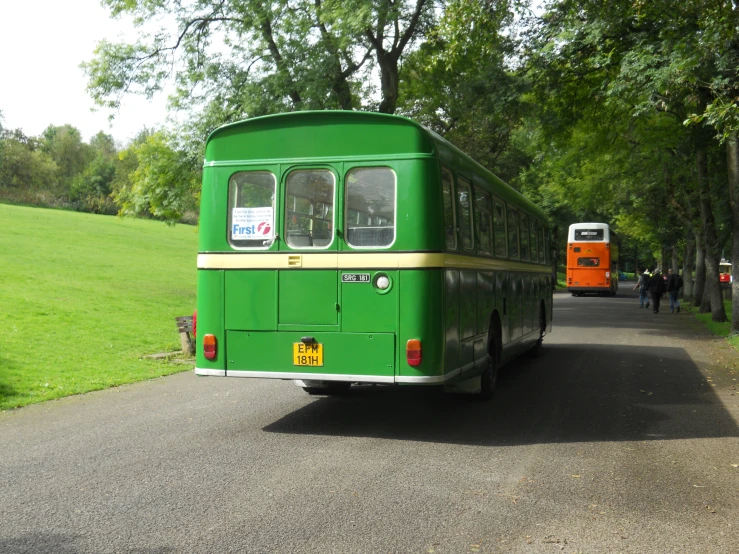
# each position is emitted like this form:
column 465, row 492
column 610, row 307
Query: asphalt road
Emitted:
column 622, row 437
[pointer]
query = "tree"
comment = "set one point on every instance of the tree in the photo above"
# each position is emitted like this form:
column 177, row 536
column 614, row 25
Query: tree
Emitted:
column 459, row 83
column 70, row 154
column 25, row 169
column 645, row 56
column 249, row 58
column 164, row 182
column 92, row 187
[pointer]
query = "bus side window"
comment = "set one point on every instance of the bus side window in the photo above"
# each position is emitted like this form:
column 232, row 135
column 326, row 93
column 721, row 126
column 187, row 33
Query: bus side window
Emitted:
column 524, row 238
column 547, row 251
column 501, row 250
column 450, row 223
column 464, row 194
column 483, row 223
column 540, row 233
column 513, row 252
column 534, row 241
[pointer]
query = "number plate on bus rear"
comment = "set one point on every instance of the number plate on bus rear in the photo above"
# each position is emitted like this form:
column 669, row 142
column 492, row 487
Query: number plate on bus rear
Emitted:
column 308, row 354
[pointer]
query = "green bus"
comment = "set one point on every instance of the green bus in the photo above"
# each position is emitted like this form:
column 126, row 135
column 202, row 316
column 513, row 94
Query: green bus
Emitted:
column 343, row 247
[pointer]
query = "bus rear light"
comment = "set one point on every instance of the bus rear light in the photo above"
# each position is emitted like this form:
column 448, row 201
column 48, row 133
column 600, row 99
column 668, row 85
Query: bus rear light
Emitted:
column 413, row 352
column 209, row 346
column 608, row 274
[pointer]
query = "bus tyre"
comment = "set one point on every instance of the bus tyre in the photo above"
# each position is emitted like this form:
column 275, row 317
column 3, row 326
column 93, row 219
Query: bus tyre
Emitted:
column 328, row 389
column 488, row 378
column 535, row 351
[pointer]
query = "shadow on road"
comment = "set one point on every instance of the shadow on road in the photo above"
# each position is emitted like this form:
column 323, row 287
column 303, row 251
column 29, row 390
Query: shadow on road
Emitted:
column 58, row 543
column 574, row 393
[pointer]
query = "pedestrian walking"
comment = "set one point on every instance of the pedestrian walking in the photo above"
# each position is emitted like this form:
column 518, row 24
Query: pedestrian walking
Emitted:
column 674, row 284
column 641, row 284
column 656, row 287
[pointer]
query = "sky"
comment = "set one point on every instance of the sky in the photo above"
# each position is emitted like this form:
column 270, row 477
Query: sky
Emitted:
column 42, row 43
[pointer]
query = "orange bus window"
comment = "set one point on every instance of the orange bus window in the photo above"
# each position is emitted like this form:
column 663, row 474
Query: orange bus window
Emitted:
column 588, row 262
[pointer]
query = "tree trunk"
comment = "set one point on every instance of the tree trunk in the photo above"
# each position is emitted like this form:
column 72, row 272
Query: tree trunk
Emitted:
column 732, row 157
column 700, row 269
column 688, row 262
column 713, row 248
column 388, row 81
column 673, row 263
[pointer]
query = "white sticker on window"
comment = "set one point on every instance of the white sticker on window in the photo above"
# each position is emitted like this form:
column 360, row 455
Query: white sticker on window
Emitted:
column 252, row 223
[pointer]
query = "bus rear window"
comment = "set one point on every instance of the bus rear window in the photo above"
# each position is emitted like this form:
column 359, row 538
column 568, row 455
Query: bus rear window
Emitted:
column 588, row 262
column 588, row 234
column 309, row 208
column 370, row 207
column 251, row 209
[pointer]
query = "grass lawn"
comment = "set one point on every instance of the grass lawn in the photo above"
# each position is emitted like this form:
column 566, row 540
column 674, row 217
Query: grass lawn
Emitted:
column 720, row 329
column 83, row 297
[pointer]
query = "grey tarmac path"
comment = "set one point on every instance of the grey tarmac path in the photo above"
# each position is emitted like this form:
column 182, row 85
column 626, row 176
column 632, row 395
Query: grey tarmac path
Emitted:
column 621, row 437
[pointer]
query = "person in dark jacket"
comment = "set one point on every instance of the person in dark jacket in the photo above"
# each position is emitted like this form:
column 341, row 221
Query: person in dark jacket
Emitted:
column 656, row 288
column 674, row 282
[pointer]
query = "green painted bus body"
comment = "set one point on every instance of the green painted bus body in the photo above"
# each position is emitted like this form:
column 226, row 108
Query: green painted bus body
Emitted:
column 257, row 311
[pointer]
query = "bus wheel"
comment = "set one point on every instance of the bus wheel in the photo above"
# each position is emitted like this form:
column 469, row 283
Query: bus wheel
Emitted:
column 535, row 351
column 488, row 379
column 330, row 388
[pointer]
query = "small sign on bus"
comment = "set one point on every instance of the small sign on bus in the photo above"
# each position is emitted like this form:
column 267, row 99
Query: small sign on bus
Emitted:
column 355, row 277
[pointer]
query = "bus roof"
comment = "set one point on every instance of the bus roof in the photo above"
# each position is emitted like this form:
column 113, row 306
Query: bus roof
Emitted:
column 342, row 135
column 608, row 234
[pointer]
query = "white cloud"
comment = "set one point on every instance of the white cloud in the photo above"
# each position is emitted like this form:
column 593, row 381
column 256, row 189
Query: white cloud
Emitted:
column 42, row 43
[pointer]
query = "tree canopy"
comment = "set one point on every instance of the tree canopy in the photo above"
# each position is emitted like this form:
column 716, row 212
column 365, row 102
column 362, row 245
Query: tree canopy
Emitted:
column 624, row 112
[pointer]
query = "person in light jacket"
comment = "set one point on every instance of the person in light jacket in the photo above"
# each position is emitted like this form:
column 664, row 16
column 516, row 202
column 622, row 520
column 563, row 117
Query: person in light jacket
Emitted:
column 641, row 284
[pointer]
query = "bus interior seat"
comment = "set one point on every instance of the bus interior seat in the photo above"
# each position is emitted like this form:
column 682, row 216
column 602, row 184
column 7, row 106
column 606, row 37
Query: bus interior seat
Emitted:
column 322, row 237
column 369, row 236
column 299, row 239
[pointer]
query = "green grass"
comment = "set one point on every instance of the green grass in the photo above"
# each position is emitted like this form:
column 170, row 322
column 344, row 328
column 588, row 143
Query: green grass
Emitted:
column 718, row 329
column 561, row 280
column 83, row 297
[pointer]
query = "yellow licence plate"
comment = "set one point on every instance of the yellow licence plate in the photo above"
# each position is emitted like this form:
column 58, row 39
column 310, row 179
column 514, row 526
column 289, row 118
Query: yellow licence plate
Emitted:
column 308, row 354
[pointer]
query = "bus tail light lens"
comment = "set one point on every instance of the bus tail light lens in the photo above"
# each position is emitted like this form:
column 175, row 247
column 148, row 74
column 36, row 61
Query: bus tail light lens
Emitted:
column 413, row 352
column 209, row 347
column 608, row 274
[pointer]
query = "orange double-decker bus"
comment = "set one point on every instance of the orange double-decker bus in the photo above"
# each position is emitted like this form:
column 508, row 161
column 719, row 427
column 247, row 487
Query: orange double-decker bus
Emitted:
column 592, row 259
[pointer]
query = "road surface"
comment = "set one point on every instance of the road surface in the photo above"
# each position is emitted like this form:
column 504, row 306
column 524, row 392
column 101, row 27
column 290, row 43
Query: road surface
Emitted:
column 622, row 437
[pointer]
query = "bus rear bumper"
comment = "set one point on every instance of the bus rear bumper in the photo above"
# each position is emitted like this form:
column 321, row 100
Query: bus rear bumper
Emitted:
column 210, row 372
column 297, row 376
column 588, row 289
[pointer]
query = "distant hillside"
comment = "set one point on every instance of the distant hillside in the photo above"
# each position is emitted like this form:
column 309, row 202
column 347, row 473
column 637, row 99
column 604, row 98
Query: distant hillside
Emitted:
column 83, row 297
